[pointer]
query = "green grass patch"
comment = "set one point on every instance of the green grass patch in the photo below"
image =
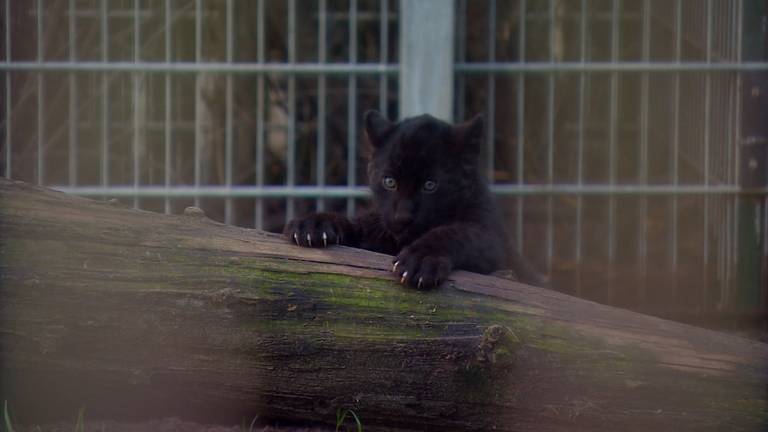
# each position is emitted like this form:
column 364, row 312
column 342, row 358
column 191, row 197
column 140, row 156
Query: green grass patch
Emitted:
column 341, row 416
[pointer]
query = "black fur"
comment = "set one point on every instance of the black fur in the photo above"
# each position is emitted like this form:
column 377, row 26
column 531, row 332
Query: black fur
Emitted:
column 431, row 206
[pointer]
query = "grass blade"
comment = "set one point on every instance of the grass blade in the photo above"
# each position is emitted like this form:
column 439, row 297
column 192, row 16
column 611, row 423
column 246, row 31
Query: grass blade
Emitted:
column 7, row 417
column 80, row 424
column 342, row 415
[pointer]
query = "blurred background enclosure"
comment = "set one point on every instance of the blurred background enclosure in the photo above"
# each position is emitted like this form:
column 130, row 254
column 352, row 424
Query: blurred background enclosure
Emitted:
column 625, row 140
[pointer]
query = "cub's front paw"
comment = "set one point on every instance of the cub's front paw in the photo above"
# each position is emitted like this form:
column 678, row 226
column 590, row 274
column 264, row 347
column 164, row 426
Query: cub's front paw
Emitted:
column 421, row 268
column 318, row 230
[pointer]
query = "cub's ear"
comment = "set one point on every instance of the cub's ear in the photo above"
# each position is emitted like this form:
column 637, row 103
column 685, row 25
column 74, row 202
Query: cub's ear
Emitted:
column 376, row 127
column 469, row 135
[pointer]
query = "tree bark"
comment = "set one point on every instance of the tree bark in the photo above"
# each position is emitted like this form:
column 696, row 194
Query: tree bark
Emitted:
column 135, row 315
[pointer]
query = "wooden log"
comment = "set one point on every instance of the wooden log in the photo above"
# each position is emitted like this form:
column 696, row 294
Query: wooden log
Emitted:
column 138, row 315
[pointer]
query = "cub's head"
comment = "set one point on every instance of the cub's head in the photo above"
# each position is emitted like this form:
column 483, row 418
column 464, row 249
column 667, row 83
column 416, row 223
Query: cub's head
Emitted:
column 423, row 171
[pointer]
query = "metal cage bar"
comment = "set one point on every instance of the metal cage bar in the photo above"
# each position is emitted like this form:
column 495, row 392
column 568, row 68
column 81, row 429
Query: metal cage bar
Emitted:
column 40, row 97
column 258, row 222
column 105, row 97
column 461, row 57
column 228, row 107
column 550, row 245
column 579, row 253
column 290, row 158
column 490, row 102
column 168, row 94
column 520, row 150
column 362, row 191
column 296, row 69
column 642, row 248
column 707, row 128
column 8, row 95
column 137, row 144
column 322, row 54
column 383, row 54
column 676, row 133
column 352, row 109
column 73, row 105
column 613, row 129
column 198, row 97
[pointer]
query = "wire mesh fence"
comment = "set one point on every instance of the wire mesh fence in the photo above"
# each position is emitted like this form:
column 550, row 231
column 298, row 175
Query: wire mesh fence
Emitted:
column 618, row 136
column 613, row 140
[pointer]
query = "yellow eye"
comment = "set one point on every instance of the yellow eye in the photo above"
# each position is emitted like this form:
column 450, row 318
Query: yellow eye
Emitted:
column 429, row 186
column 389, row 183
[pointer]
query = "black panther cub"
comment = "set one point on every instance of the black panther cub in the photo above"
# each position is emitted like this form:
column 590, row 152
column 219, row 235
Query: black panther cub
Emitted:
column 431, row 206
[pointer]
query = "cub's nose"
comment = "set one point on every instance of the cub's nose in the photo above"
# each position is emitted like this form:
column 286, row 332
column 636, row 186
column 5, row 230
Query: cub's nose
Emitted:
column 403, row 215
column 401, row 220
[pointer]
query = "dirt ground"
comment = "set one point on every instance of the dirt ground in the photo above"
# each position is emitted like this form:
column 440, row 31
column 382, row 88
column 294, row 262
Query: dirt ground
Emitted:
column 165, row 425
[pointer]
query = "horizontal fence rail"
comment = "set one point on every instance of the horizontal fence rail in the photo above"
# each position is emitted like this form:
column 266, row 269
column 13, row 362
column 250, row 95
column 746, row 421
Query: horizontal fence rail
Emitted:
column 342, row 69
column 593, row 67
column 180, row 191
column 376, row 68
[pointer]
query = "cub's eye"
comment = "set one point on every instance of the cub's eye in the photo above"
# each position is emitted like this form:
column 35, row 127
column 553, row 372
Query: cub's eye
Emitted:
column 389, row 183
column 429, row 186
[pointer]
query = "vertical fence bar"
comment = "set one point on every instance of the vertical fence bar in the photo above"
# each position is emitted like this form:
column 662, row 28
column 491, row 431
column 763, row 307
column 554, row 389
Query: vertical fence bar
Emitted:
column 137, row 100
column 490, row 129
column 733, row 145
column 461, row 56
column 105, row 136
column 168, row 94
column 8, row 95
column 551, row 133
column 291, row 156
column 322, row 32
column 352, row 108
column 580, row 155
column 228, row 138
column 198, row 95
column 73, row 126
column 40, row 98
column 676, row 134
column 738, row 132
column 707, row 135
column 258, row 222
column 720, row 16
column 642, row 251
column 520, row 128
column 383, row 54
column 613, row 132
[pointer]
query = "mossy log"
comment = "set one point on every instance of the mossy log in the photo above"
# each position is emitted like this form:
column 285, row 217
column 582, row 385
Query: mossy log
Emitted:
column 135, row 315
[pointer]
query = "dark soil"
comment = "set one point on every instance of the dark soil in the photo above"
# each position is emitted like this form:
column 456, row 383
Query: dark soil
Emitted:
column 165, row 425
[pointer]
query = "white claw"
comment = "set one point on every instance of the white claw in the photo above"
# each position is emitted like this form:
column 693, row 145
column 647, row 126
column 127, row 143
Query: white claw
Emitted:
column 325, row 239
column 420, row 280
column 309, row 240
column 296, row 238
column 394, row 266
column 402, row 279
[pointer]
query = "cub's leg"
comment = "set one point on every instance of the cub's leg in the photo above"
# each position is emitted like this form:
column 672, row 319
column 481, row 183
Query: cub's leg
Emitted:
column 431, row 258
